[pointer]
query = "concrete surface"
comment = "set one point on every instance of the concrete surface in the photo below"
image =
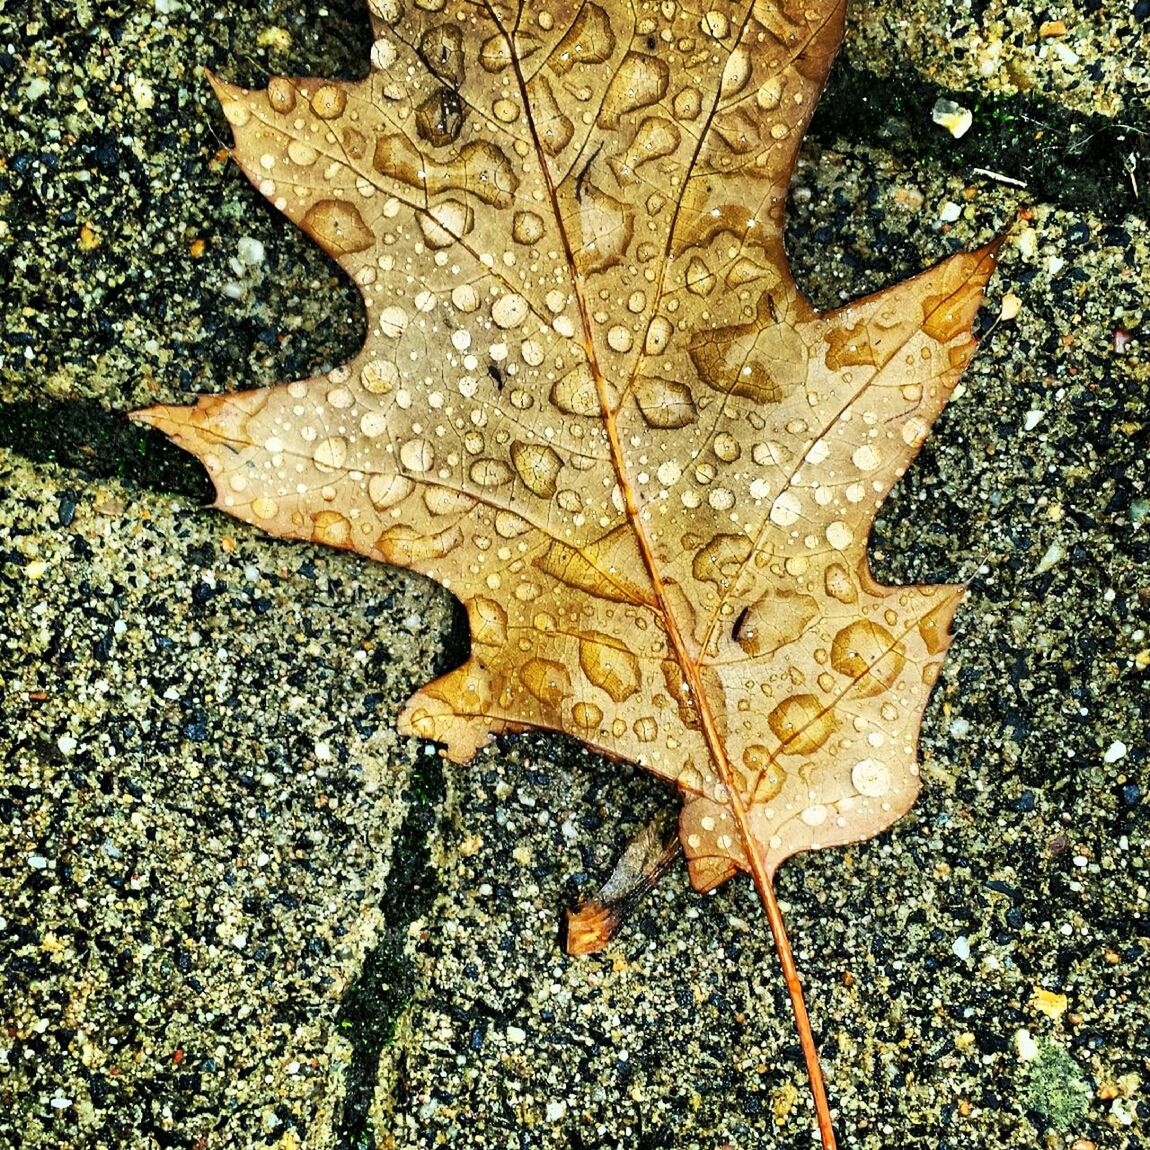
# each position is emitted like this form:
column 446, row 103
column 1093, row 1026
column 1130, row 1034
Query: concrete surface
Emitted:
column 236, row 910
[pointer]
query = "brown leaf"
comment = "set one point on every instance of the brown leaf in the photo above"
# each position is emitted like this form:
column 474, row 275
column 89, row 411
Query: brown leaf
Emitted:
column 594, row 405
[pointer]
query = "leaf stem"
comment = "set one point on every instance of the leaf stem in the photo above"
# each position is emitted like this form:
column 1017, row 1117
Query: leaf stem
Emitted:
column 766, row 889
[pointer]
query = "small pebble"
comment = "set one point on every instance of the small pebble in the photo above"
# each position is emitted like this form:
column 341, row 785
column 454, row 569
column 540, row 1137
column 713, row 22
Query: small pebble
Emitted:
column 1053, row 554
column 1011, row 306
column 1027, row 243
column 953, row 117
column 250, row 251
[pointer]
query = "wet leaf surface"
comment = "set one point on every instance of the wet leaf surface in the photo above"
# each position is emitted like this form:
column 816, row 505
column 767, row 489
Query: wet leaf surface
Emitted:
column 594, row 405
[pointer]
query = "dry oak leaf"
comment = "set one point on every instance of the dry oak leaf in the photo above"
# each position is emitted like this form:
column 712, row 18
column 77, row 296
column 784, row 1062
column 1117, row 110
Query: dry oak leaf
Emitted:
column 594, row 405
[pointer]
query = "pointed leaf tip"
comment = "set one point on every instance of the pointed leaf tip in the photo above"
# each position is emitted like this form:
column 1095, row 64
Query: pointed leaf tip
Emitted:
column 168, row 418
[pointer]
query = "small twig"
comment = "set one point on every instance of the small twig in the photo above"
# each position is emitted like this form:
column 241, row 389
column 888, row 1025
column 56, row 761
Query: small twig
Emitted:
column 1002, row 179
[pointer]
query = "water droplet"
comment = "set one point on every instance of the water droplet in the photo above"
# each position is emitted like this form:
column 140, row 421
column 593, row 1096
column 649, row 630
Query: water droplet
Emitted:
column 716, row 25
column 619, row 338
column 331, row 453
column 392, row 321
column 871, row 777
column 417, row 455
column 839, row 535
column 527, row 228
column 328, row 102
column 726, row 447
column 386, row 491
column 786, row 509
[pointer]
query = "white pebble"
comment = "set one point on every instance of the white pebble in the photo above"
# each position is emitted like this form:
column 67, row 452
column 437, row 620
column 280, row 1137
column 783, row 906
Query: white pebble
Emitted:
column 953, row 117
column 1025, row 1045
column 960, row 948
column 1117, row 750
column 250, row 251
column 1053, row 554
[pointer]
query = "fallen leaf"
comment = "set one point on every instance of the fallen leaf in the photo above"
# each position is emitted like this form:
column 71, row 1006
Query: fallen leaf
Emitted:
column 594, row 405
